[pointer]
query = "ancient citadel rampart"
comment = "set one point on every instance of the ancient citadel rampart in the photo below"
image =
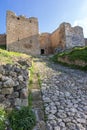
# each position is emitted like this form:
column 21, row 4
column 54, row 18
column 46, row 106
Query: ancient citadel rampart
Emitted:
column 23, row 36
column 64, row 37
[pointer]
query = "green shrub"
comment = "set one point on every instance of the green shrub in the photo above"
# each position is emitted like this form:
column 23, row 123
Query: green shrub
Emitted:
column 23, row 119
column 2, row 119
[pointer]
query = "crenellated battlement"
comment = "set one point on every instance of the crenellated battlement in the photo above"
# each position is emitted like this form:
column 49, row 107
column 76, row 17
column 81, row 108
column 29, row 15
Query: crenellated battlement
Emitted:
column 21, row 17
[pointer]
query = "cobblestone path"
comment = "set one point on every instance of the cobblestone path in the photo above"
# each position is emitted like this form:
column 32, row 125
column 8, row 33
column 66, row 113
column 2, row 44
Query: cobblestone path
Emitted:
column 64, row 93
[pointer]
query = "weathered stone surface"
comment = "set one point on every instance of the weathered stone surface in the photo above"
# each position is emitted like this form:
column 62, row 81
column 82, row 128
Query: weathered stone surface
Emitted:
column 24, row 93
column 85, row 41
column 2, row 98
column 74, row 36
column 24, row 37
column 24, row 102
column 45, row 43
column 2, row 39
column 56, row 128
column 66, row 37
column 41, row 125
column 13, row 86
column 58, row 38
column 16, row 94
column 64, row 93
column 25, row 62
column 20, row 78
column 0, row 84
column 7, row 91
column 36, row 93
column 1, row 69
column 17, row 102
column 7, row 103
column 9, row 83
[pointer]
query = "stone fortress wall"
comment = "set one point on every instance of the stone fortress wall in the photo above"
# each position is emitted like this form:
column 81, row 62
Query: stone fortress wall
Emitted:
column 45, row 43
column 58, row 38
column 2, row 39
column 64, row 37
column 74, row 36
column 23, row 36
column 86, row 41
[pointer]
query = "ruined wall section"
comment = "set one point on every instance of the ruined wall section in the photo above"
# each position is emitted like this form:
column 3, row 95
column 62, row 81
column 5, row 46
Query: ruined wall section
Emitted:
column 74, row 36
column 85, row 41
column 2, row 39
column 45, row 43
column 22, row 34
column 66, row 37
column 58, row 38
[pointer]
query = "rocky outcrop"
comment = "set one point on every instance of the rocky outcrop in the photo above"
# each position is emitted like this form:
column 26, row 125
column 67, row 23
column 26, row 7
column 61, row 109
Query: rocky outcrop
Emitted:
column 13, row 86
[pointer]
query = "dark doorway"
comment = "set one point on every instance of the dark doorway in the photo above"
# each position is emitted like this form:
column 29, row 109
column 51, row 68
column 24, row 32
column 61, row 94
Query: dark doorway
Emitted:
column 42, row 51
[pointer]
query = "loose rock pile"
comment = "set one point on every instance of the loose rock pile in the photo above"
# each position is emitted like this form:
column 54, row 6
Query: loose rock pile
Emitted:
column 13, row 86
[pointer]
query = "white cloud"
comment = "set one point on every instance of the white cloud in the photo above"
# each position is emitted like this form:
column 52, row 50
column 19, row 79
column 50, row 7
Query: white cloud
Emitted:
column 83, row 24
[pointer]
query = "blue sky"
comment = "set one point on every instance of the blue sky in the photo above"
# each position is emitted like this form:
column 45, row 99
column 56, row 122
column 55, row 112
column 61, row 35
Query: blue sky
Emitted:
column 50, row 13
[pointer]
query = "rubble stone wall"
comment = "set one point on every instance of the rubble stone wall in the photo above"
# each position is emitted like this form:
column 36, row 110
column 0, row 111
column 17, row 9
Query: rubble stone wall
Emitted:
column 13, row 86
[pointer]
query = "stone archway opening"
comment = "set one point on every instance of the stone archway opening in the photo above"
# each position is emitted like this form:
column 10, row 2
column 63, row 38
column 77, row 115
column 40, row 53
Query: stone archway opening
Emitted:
column 42, row 51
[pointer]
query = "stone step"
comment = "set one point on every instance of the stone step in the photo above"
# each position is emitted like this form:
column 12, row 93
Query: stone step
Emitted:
column 36, row 94
column 37, row 104
column 39, row 119
column 35, row 86
column 40, row 126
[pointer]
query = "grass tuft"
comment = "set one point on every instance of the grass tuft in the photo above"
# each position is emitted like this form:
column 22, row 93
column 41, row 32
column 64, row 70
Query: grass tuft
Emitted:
column 10, row 57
